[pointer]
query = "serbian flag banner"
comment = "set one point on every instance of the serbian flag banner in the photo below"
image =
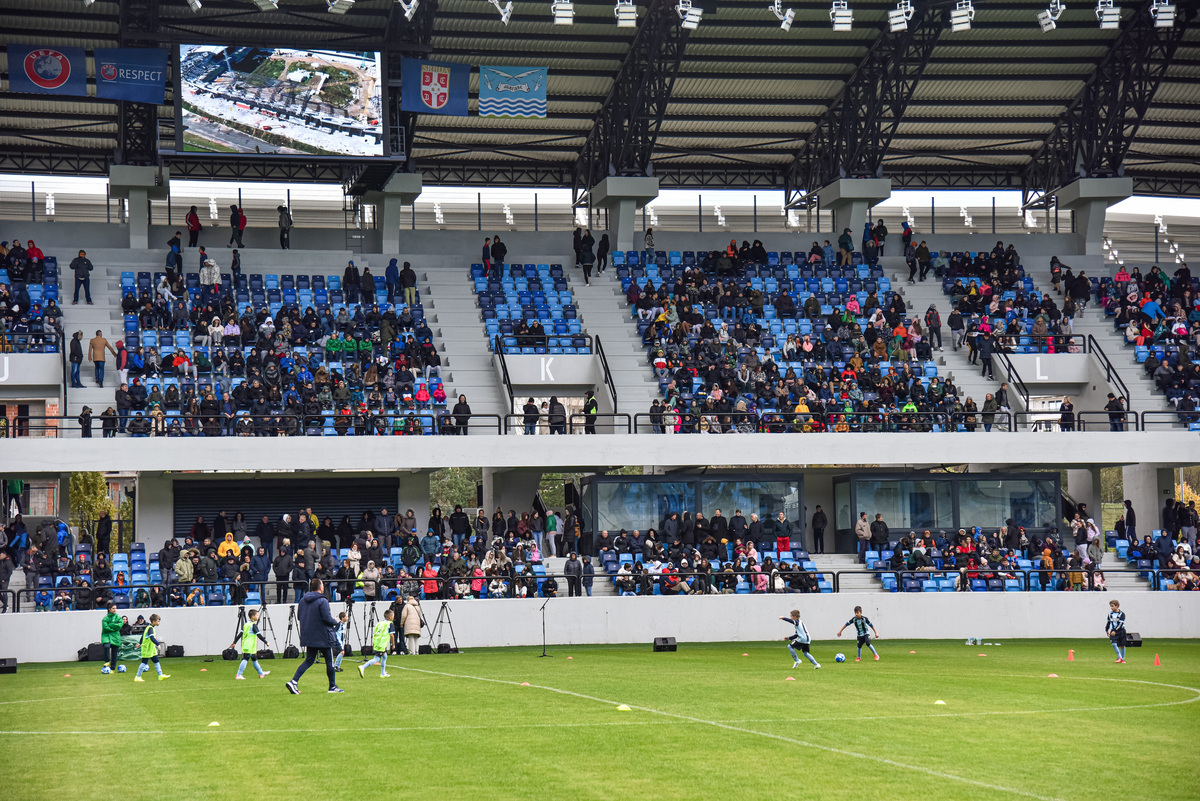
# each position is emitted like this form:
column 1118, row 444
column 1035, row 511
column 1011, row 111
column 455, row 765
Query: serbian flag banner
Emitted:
column 434, row 87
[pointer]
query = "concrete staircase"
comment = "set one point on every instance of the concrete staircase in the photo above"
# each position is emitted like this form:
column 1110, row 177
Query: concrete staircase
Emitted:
column 606, row 315
column 918, row 298
column 1121, row 582
column 602, row 585
column 847, row 561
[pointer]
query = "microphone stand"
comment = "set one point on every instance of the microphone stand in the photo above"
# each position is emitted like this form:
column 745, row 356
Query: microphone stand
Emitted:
column 543, row 610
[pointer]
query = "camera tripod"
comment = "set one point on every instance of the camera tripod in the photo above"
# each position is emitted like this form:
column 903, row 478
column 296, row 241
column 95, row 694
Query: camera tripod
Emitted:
column 443, row 619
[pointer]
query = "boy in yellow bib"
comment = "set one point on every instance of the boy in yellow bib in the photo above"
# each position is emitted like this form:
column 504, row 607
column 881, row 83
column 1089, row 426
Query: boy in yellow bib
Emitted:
column 250, row 637
column 150, row 646
column 382, row 639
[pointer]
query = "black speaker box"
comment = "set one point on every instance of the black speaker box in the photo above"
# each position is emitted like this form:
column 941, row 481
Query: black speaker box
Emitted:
column 8, row 664
column 664, row 644
column 174, row 651
column 424, row 649
column 1133, row 639
column 95, row 652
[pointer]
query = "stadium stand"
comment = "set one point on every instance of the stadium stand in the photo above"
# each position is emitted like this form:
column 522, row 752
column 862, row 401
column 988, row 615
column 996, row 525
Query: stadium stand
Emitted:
column 29, row 294
column 529, row 308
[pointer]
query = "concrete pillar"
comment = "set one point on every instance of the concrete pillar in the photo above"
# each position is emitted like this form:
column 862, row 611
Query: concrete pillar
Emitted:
column 622, row 196
column 402, row 189
column 154, row 509
column 1084, row 487
column 138, row 185
column 1148, row 486
column 510, row 489
column 851, row 199
column 414, row 494
column 1090, row 198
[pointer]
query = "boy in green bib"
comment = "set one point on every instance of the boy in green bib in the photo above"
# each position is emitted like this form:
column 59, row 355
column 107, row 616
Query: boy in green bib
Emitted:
column 249, row 639
column 382, row 639
column 150, row 646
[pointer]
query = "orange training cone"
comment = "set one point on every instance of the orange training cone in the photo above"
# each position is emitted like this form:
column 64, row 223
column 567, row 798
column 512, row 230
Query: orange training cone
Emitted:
column 1156, row 662
column 1071, row 655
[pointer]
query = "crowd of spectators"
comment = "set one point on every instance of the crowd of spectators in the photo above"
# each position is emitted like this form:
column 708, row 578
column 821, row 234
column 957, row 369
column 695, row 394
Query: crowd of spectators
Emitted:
column 30, row 317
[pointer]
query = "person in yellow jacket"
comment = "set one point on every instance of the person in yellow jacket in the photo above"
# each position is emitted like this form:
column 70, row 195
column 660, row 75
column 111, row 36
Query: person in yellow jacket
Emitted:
column 228, row 547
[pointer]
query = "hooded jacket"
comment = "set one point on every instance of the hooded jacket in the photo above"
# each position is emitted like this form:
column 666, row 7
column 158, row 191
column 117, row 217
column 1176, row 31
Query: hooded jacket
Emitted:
column 316, row 622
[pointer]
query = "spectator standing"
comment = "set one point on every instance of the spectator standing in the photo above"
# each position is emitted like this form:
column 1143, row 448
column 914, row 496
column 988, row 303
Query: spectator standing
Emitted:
column 462, row 415
column 586, row 257
column 573, row 569
column 1130, row 522
column 192, row 220
column 862, row 532
column 285, row 228
column 530, row 417
column 410, row 624
column 81, row 266
column 602, row 257
column 237, row 224
column 589, row 575
column 391, row 279
column 97, row 348
column 819, row 522
column 351, row 280
column 408, row 282
column 879, row 533
column 499, row 251
column 487, row 256
column 590, row 407
column 76, row 359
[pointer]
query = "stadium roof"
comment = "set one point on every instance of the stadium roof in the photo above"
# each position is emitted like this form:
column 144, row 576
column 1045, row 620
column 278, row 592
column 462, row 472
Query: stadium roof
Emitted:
column 746, row 98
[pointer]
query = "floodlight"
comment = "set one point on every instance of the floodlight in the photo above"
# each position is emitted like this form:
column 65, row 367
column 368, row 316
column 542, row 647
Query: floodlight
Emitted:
column 841, row 16
column 194, row 5
column 563, row 12
column 410, row 9
column 689, row 15
column 88, row 2
column 340, row 6
column 961, row 16
column 505, row 11
column 785, row 17
column 626, row 13
column 1048, row 19
column 267, row 5
column 1163, row 12
column 899, row 16
column 1108, row 16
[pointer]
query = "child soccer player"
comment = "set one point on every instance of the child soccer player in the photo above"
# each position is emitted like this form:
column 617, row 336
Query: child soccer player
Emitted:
column 340, row 634
column 381, row 640
column 150, row 646
column 250, row 637
column 1115, row 629
column 800, row 638
column 861, row 624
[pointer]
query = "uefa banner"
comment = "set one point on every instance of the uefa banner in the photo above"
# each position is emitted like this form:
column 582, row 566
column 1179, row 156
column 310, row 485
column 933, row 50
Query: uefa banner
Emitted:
column 128, row 73
column 512, row 91
column 434, row 87
column 47, row 70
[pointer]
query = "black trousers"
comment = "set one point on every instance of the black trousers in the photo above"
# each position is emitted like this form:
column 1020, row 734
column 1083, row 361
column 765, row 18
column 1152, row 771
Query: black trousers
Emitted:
column 110, row 652
column 574, row 586
column 313, row 652
column 285, row 238
column 819, row 540
column 192, row 237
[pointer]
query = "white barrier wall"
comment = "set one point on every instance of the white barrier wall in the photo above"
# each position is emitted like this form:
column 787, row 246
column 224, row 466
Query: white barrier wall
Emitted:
column 57, row 636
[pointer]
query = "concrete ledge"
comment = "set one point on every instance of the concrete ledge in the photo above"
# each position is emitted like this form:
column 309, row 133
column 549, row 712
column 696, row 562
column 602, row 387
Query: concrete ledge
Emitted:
column 1089, row 190
column 1044, row 450
column 124, row 177
column 618, row 188
column 845, row 190
column 56, row 636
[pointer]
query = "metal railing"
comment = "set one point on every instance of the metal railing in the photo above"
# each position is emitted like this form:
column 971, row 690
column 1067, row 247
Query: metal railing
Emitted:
column 600, row 423
column 374, row 423
column 608, row 379
column 536, row 585
column 1110, row 371
column 498, row 347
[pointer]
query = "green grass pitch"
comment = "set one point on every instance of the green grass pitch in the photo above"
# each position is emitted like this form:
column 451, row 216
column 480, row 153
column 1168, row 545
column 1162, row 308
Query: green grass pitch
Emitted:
column 715, row 720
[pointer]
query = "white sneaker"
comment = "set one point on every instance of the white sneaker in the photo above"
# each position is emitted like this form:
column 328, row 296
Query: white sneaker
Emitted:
column 239, row 678
column 816, row 667
column 796, row 664
column 264, row 674
column 385, row 675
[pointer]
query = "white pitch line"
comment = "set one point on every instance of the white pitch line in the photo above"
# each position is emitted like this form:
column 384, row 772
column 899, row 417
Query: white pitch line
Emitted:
column 803, row 743
column 376, row 729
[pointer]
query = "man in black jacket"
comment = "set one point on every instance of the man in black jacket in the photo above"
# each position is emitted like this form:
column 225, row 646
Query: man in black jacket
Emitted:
column 316, row 634
column 282, row 566
column 408, row 283
column 462, row 415
column 499, row 251
column 460, row 526
column 76, row 359
column 81, row 266
column 573, row 569
column 819, row 522
column 879, row 533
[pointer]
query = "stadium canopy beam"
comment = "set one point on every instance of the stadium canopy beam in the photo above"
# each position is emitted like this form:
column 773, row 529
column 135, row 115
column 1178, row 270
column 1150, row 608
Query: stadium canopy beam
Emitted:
column 1092, row 137
column 852, row 137
column 621, row 141
column 137, row 123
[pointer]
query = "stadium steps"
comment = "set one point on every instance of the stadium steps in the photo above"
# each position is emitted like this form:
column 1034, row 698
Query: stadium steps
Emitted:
column 602, row 585
column 918, row 298
column 1121, row 582
column 607, row 315
column 847, row 561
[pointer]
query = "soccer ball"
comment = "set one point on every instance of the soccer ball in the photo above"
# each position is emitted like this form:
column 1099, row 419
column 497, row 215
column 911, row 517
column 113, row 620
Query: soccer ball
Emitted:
column 105, row 670
column 120, row 668
column 840, row 658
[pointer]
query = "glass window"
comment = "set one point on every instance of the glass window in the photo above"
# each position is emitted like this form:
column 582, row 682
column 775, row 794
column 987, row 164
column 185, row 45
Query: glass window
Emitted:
column 765, row 498
column 990, row 502
column 641, row 504
column 841, row 501
column 913, row 505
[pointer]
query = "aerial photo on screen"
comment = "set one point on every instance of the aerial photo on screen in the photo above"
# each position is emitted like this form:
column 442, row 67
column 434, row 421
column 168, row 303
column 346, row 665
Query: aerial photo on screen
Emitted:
column 290, row 102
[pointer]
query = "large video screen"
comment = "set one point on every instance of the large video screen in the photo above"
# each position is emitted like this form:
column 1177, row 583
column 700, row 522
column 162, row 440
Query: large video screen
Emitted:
column 279, row 101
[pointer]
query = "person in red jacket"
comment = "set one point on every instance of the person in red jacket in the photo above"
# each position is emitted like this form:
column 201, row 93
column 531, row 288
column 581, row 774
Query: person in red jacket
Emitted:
column 193, row 225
